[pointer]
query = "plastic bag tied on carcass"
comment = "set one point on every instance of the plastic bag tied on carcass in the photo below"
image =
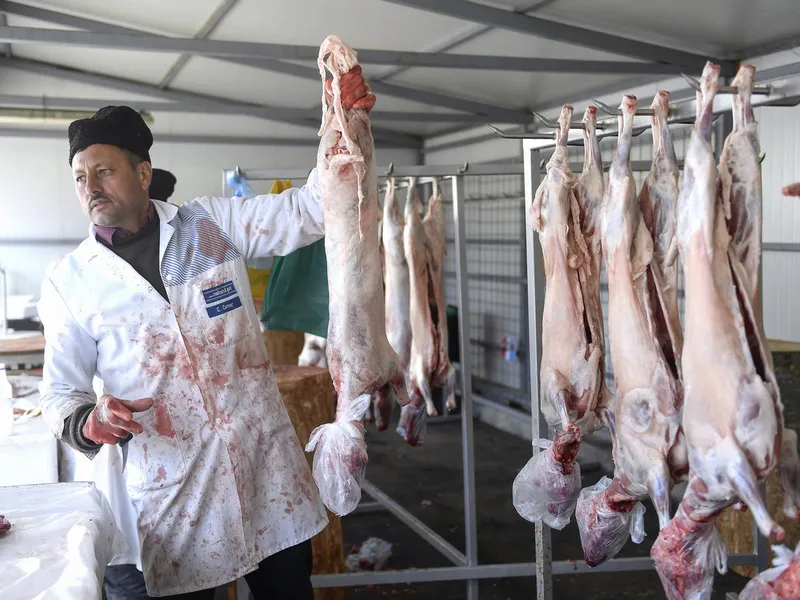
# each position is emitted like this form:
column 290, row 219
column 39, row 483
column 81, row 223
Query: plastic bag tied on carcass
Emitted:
column 781, row 582
column 341, row 461
column 542, row 491
column 688, row 571
column 603, row 531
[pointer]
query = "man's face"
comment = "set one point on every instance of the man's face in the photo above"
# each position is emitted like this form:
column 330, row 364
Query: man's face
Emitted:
column 112, row 192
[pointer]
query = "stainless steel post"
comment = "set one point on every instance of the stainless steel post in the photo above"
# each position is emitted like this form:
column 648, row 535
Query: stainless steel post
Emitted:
column 535, row 275
column 467, row 441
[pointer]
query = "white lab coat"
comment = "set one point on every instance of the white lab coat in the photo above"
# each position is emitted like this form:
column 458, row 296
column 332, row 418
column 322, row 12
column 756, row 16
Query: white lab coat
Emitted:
column 218, row 477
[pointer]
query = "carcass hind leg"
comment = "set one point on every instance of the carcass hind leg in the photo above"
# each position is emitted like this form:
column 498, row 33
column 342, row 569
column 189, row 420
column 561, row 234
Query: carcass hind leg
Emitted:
column 787, row 473
column 560, row 402
column 425, row 389
column 449, row 385
column 743, row 482
column 658, row 481
column 382, row 402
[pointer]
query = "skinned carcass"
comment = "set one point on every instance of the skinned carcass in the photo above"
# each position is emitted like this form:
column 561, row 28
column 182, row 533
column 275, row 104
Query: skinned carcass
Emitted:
column 645, row 341
column 732, row 414
column 313, row 354
column 361, row 361
column 396, row 285
column 574, row 396
column 429, row 364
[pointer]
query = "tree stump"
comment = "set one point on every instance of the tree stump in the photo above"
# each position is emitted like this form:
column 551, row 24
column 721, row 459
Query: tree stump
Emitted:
column 283, row 347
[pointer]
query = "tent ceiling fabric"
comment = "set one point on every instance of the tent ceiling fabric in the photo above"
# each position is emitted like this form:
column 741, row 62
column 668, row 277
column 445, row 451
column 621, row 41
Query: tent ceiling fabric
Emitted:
column 724, row 28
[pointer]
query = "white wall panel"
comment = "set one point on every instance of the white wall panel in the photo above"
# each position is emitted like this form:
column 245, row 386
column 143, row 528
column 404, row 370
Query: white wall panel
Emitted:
column 37, row 198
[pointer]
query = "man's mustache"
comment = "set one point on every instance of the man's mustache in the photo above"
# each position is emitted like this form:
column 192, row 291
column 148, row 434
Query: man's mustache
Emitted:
column 95, row 198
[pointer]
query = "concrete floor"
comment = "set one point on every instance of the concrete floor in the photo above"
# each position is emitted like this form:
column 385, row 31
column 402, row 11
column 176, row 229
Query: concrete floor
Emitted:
column 427, row 481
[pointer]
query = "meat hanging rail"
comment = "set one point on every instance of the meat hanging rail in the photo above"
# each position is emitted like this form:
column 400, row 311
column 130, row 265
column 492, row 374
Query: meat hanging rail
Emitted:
column 466, row 567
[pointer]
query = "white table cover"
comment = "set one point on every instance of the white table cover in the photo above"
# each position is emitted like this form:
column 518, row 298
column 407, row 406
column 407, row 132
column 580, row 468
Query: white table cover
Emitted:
column 62, row 537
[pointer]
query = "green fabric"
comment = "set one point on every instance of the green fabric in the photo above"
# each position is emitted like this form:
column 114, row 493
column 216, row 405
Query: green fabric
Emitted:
column 297, row 293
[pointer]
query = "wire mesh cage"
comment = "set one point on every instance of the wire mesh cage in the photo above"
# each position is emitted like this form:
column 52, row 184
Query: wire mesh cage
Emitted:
column 495, row 240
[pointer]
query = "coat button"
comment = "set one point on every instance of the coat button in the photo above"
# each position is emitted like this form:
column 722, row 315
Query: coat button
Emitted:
column 219, row 421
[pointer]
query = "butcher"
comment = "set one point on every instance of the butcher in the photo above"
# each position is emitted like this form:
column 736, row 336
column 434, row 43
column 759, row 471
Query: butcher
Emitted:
column 156, row 304
column 162, row 185
column 124, row 580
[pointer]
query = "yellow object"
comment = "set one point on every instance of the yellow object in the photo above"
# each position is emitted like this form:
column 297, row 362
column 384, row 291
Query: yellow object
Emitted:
column 280, row 185
column 259, row 278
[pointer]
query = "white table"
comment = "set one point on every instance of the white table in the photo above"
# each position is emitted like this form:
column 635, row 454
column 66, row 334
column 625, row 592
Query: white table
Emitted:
column 62, row 537
column 30, row 455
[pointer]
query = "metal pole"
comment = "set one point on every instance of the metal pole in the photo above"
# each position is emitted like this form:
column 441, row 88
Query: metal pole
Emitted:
column 467, row 441
column 525, row 371
column 535, row 276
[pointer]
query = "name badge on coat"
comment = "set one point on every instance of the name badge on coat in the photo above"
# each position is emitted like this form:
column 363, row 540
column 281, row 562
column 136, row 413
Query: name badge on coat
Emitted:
column 221, row 299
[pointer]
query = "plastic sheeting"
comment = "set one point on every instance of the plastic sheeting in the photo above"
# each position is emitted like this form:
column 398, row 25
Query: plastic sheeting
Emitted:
column 61, row 539
column 782, row 582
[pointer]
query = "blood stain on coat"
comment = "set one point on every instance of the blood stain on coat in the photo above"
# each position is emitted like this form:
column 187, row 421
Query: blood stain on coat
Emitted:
column 263, row 231
column 220, row 380
column 162, row 475
column 157, row 540
column 144, row 449
column 176, row 565
column 217, row 334
column 163, row 422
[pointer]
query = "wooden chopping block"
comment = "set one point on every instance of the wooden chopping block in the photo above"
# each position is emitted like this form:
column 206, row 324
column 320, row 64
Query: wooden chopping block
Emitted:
column 308, row 395
column 736, row 529
column 283, row 347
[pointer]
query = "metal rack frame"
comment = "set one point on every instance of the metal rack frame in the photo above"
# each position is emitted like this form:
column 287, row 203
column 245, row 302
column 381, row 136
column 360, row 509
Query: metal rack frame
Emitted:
column 466, row 567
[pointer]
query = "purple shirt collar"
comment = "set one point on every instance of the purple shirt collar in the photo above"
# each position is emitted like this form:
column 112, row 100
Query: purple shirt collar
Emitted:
column 112, row 235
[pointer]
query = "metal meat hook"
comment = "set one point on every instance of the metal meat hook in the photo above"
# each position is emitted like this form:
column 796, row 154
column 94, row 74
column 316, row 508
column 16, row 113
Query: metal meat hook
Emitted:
column 764, row 90
column 522, row 136
column 573, row 125
column 610, row 110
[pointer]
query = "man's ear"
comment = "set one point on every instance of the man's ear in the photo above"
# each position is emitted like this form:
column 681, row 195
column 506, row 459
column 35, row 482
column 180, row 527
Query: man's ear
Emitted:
column 145, row 171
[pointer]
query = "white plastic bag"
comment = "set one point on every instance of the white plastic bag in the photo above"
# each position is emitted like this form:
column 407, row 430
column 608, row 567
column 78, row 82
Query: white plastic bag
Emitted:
column 687, row 559
column 372, row 556
column 603, row 531
column 413, row 423
column 341, row 458
column 542, row 492
column 780, row 582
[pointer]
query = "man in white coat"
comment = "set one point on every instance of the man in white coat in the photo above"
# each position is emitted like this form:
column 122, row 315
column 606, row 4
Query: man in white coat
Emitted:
column 155, row 303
